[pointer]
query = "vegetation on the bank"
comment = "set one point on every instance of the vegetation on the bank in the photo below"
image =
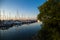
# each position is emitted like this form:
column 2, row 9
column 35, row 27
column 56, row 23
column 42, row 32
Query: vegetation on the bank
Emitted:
column 50, row 16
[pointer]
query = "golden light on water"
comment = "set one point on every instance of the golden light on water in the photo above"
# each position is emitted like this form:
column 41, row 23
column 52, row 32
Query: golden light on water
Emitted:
column 38, row 21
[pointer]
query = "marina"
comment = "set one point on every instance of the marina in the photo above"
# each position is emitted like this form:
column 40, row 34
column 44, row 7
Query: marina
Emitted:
column 6, row 21
column 18, row 19
column 10, row 23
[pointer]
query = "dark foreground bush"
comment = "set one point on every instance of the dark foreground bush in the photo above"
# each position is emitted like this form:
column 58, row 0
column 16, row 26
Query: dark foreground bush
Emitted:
column 50, row 16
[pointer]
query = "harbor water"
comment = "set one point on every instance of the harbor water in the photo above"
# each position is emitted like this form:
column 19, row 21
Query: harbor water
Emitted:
column 23, row 32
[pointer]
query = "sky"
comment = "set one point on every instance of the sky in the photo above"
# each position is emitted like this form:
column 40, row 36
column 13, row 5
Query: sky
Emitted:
column 25, row 8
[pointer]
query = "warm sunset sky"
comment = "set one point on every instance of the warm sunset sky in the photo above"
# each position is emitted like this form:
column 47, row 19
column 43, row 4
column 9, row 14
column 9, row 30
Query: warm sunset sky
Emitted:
column 26, row 8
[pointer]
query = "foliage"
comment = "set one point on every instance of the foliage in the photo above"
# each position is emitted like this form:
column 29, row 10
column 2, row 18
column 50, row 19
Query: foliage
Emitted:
column 50, row 16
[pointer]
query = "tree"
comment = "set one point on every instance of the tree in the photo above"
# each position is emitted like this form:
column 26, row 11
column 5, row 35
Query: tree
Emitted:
column 50, row 16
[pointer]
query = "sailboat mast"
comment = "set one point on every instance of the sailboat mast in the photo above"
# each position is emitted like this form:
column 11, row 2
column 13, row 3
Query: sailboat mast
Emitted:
column 0, row 14
column 3, row 14
column 17, row 15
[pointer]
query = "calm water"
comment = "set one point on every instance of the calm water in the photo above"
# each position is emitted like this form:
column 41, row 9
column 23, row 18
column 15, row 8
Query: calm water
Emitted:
column 24, row 32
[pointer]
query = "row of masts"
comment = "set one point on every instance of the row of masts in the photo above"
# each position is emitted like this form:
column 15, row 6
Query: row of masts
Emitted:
column 3, row 15
column 9, row 17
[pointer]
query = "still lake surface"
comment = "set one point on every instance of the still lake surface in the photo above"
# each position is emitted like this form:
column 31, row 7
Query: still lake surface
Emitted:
column 24, row 32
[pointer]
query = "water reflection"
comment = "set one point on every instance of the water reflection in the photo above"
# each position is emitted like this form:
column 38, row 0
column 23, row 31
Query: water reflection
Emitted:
column 7, row 27
column 24, row 32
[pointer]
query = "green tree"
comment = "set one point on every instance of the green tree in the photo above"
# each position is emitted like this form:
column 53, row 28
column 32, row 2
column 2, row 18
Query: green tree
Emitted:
column 50, row 16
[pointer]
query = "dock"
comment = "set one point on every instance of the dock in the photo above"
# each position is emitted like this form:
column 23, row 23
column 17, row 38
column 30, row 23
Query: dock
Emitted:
column 10, row 23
